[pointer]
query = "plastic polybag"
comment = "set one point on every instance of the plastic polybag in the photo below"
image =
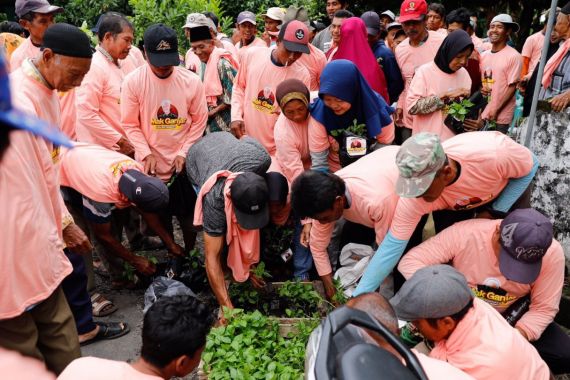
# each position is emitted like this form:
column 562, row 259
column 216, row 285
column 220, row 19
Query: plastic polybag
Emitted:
column 164, row 287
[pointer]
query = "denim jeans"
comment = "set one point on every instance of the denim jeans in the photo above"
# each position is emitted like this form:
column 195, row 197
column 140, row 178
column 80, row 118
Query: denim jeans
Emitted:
column 302, row 258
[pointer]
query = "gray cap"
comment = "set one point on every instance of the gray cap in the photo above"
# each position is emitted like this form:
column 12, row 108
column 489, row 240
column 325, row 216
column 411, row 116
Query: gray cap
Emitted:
column 372, row 22
column 389, row 13
column 394, row 25
column 432, row 292
column 194, row 20
column 506, row 19
column 39, row 6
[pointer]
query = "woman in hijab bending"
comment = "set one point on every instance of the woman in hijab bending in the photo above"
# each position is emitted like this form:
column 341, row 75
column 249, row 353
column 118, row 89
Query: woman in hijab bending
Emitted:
column 438, row 83
column 352, row 116
column 354, row 46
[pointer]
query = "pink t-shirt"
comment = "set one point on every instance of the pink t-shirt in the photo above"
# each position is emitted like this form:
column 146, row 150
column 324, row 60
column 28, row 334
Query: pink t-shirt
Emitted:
column 371, row 184
column 134, row 60
column 531, row 49
column 477, row 43
column 32, row 263
column 91, row 368
column 163, row 117
column 193, row 63
column 292, row 146
column 504, row 67
column 485, row 346
column 409, row 59
column 68, row 113
column 488, row 160
column 231, row 48
column 469, row 247
column 257, row 42
column 314, row 63
column 15, row 366
column 440, row 370
column 95, row 172
column 98, row 103
column 429, row 81
column 320, row 140
column 22, row 52
column 253, row 97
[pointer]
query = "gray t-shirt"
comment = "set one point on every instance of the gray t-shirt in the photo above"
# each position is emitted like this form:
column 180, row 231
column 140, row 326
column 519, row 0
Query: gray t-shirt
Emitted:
column 323, row 39
column 222, row 151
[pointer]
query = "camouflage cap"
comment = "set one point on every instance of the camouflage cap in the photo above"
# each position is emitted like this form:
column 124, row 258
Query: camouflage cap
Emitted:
column 418, row 160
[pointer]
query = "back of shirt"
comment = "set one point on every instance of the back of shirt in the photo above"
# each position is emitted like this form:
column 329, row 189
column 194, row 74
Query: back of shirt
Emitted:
column 91, row 368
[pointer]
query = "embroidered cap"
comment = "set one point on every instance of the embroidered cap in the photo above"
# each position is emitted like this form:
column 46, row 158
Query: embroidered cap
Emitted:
column 526, row 235
column 161, row 45
column 413, row 10
column 295, row 36
column 148, row 193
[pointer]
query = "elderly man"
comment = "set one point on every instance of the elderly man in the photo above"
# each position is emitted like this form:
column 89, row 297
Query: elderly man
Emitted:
column 35, row 17
column 218, row 77
column 35, row 318
column 232, row 204
column 254, row 106
column 164, row 112
column 507, row 263
column 467, row 333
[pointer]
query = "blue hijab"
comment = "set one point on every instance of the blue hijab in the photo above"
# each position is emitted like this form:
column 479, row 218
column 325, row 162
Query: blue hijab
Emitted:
column 342, row 79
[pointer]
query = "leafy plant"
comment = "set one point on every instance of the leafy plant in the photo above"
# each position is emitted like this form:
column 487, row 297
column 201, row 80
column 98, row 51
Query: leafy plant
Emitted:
column 260, row 271
column 339, row 298
column 250, row 347
column 77, row 11
column 302, row 297
column 357, row 129
column 459, row 110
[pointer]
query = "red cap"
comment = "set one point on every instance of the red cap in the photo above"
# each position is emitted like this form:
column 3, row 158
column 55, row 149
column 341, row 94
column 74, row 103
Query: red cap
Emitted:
column 412, row 10
column 295, row 36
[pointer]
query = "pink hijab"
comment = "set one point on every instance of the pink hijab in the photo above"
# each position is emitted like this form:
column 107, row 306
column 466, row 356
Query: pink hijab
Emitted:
column 354, row 46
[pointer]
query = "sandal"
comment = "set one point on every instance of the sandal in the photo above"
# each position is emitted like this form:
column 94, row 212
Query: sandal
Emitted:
column 108, row 331
column 102, row 307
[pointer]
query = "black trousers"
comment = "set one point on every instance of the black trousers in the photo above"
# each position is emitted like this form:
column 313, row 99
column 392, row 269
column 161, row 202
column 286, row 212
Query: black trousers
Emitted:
column 75, row 289
column 553, row 346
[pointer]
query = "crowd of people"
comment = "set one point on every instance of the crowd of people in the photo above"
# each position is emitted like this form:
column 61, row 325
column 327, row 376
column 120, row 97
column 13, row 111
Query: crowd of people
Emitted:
column 358, row 132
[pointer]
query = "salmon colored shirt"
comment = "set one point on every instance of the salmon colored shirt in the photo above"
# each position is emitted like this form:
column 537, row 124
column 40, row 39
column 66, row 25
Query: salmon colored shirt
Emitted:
column 134, row 60
column 15, row 366
column 320, row 140
column 99, row 103
column 193, row 63
column 32, row 262
column 314, row 63
column 163, row 117
column 531, row 49
column 477, row 43
column 253, row 97
column 292, row 144
column 231, row 48
column 409, row 59
column 371, row 188
column 95, row 172
column 241, row 50
column 469, row 247
column 431, row 81
column 485, row 346
column 504, row 67
column 68, row 113
column 440, row 370
column 488, row 160
column 91, row 368
column 24, row 51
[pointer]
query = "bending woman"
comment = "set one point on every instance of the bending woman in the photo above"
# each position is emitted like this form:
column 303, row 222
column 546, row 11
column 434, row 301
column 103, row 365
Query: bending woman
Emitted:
column 346, row 99
column 438, row 83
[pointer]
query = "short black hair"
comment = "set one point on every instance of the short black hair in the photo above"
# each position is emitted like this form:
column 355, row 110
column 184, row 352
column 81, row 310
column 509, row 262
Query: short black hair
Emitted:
column 437, row 8
column 343, row 13
column 344, row 3
column 461, row 16
column 12, row 27
column 314, row 191
column 212, row 16
column 30, row 16
column 173, row 327
column 457, row 317
column 114, row 23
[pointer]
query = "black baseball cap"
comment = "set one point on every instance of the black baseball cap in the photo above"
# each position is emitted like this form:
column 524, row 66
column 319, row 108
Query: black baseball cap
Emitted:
column 161, row 45
column 249, row 195
column 148, row 193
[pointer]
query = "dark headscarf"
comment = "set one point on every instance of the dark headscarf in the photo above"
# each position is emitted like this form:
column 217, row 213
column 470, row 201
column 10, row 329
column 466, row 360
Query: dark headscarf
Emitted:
column 341, row 79
column 292, row 89
column 454, row 43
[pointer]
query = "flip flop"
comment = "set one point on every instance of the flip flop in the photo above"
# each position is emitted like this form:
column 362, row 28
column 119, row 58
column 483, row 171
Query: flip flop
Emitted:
column 108, row 331
column 102, row 307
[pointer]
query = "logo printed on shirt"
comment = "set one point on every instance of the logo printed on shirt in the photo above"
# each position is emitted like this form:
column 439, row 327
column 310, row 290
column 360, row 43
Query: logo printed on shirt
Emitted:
column 167, row 117
column 163, row 45
column 467, row 203
column 493, row 295
column 120, row 167
column 265, row 101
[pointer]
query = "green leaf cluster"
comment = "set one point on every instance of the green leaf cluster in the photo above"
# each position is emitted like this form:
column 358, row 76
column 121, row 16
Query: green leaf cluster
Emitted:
column 459, row 109
column 78, row 11
column 302, row 298
column 357, row 129
column 250, row 347
column 339, row 298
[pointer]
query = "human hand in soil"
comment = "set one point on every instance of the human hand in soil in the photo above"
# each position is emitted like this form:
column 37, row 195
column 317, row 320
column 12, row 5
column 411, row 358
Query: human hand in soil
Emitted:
column 175, row 250
column 237, row 128
column 256, row 281
column 179, row 164
column 76, row 240
column 328, row 284
column 143, row 265
column 560, row 102
column 150, row 165
column 306, row 234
